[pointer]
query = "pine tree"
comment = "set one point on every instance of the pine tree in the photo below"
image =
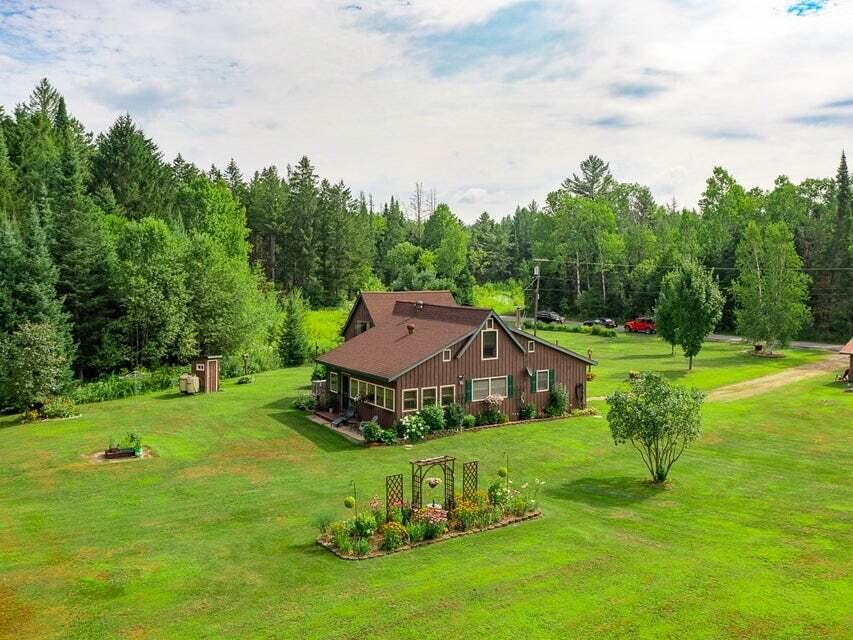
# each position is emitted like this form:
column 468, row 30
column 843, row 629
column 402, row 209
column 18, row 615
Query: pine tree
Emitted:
column 8, row 187
column 841, row 256
column 235, row 182
column 11, row 268
column 294, row 346
column 44, row 100
column 595, row 179
column 300, row 260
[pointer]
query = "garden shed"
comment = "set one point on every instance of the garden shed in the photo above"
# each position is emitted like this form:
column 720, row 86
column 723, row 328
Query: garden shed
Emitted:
column 847, row 350
column 206, row 369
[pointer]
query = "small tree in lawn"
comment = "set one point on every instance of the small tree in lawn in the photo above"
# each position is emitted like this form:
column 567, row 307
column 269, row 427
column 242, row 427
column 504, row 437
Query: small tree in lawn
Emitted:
column 33, row 364
column 692, row 306
column 659, row 420
column 294, row 345
column 665, row 317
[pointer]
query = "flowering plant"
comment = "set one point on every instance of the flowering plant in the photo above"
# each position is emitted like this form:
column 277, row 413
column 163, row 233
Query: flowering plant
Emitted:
column 432, row 515
column 413, row 427
column 495, row 400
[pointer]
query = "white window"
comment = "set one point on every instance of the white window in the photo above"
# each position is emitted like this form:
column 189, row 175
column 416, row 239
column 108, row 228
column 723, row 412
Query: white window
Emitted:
column 410, row 400
column 542, row 380
column 428, row 396
column 445, row 355
column 373, row 394
column 481, row 388
column 361, row 326
column 333, row 381
column 489, row 344
column 531, row 346
column 448, row 394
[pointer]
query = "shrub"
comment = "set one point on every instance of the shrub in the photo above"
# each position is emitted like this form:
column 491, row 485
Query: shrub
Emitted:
column 245, row 380
column 413, row 427
column 261, row 358
column 589, row 411
column 454, row 416
column 57, row 407
column 304, row 401
column 364, row 524
column 371, row 431
column 498, row 493
column 360, row 546
column 416, row 531
column 386, row 436
column 117, row 386
column 603, row 332
column 33, row 364
column 634, row 375
column 527, row 411
column 490, row 415
column 468, row 421
column 394, row 534
column 318, row 372
column 558, row 403
column 433, row 417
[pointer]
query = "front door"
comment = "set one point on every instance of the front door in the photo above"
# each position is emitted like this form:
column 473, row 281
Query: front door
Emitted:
column 343, row 397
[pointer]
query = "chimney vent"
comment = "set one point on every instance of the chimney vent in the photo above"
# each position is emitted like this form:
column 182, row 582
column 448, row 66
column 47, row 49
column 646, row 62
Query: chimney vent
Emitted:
column 419, row 305
column 411, row 328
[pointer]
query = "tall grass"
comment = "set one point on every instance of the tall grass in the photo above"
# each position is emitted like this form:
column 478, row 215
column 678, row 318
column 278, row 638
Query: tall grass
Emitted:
column 503, row 297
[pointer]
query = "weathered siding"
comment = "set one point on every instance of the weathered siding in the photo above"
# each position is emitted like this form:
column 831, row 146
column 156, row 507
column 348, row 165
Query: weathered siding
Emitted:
column 360, row 314
column 568, row 372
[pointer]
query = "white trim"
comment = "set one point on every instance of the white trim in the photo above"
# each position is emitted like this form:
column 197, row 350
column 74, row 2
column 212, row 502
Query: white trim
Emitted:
column 490, row 323
column 483, row 344
column 437, row 397
column 473, row 380
column 446, row 355
column 531, row 346
column 376, row 387
column 547, row 379
column 403, row 401
column 334, row 387
column 441, row 394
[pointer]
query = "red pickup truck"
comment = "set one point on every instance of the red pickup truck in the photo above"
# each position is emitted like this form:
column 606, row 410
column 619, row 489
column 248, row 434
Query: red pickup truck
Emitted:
column 640, row 325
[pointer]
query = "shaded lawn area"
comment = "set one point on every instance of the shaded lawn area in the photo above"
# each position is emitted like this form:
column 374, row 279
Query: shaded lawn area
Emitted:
column 214, row 537
column 718, row 363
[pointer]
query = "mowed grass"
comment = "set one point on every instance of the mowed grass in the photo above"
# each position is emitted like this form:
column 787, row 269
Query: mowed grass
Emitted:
column 214, row 537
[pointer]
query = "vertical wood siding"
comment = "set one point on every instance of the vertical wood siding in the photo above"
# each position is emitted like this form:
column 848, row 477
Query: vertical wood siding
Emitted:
column 568, row 372
column 360, row 313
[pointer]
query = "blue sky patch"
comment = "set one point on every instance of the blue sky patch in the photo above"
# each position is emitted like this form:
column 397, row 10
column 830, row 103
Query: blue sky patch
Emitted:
column 611, row 122
column 638, row 90
column 806, row 7
column 839, row 104
column 825, row 120
column 730, row 134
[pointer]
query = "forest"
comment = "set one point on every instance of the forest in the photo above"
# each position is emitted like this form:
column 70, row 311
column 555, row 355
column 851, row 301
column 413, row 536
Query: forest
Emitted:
column 114, row 258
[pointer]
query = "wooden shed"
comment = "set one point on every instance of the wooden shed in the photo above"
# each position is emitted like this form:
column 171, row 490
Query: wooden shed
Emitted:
column 847, row 350
column 206, row 368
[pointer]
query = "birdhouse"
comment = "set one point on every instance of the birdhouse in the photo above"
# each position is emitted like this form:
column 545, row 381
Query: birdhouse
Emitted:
column 206, row 369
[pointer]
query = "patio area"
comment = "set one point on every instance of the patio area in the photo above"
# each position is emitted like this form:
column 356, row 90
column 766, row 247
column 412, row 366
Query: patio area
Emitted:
column 349, row 430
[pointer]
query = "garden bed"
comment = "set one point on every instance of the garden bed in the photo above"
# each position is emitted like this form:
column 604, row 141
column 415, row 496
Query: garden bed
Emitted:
column 325, row 539
column 99, row 457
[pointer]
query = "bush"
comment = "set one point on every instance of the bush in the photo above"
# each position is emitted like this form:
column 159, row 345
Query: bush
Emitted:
column 454, row 415
column 371, row 431
column 527, row 411
column 262, row 358
column 412, row 427
column 433, row 417
column 360, row 547
column 634, row 375
column 589, row 411
column 416, row 531
column 318, row 372
column 245, row 380
column 490, row 415
column 364, row 524
column 57, row 407
column 394, row 534
column 603, row 332
column 386, row 436
column 117, row 386
column 468, row 421
column 498, row 493
column 558, row 403
column 304, row 401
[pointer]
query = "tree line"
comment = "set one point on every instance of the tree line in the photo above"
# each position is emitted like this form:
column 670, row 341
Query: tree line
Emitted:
column 121, row 259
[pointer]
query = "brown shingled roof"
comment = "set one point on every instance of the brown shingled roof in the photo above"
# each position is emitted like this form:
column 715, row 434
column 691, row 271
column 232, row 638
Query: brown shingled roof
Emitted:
column 380, row 304
column 388, row 349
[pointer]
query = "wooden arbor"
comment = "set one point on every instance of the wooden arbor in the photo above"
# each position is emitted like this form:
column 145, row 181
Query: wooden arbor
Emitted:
column 420, row 468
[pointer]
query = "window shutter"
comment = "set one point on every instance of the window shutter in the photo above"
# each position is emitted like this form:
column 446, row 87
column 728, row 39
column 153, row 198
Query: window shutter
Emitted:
column 509, row 387
column 533, row 382
column 551, row 380
column 469, row 393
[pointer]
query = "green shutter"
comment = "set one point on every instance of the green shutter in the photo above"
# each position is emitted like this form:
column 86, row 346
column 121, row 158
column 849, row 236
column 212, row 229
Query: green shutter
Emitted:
column 509, row 388
column 469, row 390
column 533, row 382
column 552, row 379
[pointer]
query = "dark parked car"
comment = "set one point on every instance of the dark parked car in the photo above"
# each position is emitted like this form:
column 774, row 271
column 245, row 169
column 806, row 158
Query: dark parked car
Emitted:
column 549, row 316
column 640, row 325
column 604, row 322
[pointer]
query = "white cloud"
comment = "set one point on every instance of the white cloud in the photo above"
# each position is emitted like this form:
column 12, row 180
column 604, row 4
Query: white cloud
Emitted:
column 492, row 103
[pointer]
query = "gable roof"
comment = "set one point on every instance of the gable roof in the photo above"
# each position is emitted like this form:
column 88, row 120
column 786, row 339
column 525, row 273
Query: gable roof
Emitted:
column 847, row 349
column 568, row 352
column 388, row 350
column 380, row 304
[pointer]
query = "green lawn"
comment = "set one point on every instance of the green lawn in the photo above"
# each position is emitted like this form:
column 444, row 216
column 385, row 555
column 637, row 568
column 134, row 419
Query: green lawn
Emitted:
column 214, row 537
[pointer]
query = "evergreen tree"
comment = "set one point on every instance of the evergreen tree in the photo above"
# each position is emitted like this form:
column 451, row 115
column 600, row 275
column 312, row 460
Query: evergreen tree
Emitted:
column 841, row 307
column 267, row 203
column 299, row 262
column 595, row 180
column 38, row 162
column 11, row 268
column 8, row 187
column 294, row 346
column 44, row 100
column 235, row 182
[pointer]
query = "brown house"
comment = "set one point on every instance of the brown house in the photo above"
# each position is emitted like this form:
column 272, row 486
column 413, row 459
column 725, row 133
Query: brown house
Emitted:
column 405, row 350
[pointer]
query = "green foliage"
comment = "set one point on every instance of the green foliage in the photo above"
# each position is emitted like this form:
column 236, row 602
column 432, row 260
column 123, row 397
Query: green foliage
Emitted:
column 117, row 386
column 558, row 403
column 468, row 421
column 294, row 346
column 498, row 493
column 659, row 420
column 412, row 427
column 319, row 372
column 360, row 546
column 393, row 535
column 33, row 365
column 503, row 297
column 433, row 417
column 371, row 431
column 454, row 415
column 364, row 524
column 416, row 531
column 58, row 407
column 527, row 411
column 245, row 380
column 304, row 402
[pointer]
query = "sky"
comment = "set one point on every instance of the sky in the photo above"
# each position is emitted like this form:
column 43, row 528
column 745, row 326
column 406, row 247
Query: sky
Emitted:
column 492, row 103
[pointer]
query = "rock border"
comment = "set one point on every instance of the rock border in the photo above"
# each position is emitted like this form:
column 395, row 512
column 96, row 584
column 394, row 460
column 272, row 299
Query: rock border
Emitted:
column 379, row 553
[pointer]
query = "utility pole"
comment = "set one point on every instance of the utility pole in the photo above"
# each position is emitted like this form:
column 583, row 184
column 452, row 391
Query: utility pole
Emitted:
column 536, row 278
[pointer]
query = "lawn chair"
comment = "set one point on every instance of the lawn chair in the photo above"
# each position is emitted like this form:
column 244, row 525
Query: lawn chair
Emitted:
column 345, row 417
column 844, row 377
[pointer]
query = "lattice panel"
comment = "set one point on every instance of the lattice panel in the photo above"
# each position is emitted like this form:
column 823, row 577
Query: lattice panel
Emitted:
column 470, row 479
column 393, row 493
column 449, row 486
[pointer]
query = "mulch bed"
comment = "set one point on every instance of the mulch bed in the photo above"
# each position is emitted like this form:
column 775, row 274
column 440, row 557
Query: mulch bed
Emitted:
column 324, row 542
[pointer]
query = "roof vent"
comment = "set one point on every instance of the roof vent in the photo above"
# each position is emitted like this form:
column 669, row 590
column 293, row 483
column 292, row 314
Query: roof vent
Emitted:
column 411, row 328
column 419, row 305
